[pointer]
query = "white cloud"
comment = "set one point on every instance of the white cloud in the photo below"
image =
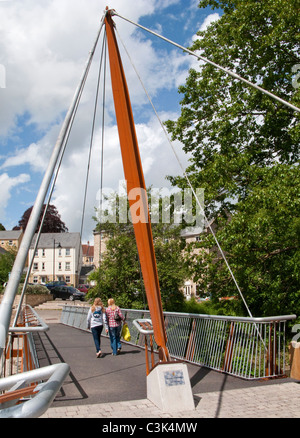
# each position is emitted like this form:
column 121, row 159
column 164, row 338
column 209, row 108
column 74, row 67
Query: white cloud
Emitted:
column 43, row 48
column 158, row 161
column 7, row 184
column 209, row 20
column 36, row 155
column 30, row 155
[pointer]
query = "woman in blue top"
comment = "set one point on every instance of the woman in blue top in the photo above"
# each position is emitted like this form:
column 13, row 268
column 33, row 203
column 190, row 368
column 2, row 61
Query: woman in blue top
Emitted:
column 95, row 320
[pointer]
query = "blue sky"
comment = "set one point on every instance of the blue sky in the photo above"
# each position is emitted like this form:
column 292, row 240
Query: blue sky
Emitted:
column 43, row 49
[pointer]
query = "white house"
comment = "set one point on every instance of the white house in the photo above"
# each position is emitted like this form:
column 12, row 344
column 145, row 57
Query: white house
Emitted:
column 58, row 257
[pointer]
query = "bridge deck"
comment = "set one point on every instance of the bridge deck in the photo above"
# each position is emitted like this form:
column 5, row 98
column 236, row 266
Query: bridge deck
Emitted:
column 115, row 378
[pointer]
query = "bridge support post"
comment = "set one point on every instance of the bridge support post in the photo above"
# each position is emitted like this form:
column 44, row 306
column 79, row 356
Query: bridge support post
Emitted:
column 169, row 387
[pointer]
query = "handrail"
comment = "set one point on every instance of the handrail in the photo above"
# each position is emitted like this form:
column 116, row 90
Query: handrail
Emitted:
column 20, row 347
column 30, row 325
column 46, row 392
column 17, row 387
column 245, row 347
column 230, row 318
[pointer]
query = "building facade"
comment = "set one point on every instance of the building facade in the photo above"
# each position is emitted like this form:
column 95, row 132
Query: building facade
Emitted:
column 100, row 240
column 87, row 254
column 191, row 289
column 11, row 239
column 58, row 257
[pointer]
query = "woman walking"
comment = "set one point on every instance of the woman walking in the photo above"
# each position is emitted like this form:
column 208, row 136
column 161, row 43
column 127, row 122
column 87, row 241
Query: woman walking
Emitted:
column 95, row 320
column 114, row 319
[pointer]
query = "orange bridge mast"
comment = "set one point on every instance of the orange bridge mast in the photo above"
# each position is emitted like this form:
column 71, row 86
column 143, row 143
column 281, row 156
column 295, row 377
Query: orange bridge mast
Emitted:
column 135, row 180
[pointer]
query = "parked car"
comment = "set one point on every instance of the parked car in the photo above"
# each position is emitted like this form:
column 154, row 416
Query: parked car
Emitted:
column 53, row 284
column 67, row 293
column 83, row 288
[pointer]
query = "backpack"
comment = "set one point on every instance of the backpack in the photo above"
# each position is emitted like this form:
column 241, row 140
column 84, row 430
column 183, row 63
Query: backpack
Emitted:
column 117, row 316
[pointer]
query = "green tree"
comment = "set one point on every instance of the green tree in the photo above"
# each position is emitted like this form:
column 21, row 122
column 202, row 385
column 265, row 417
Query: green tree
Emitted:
column 172, row 267
column 261, row 243
column 228, row 127
column 244, row 147
column 120, row 274
column 6, row 263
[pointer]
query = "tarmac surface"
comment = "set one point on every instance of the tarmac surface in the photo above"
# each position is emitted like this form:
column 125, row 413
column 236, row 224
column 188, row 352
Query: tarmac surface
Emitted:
column 114, row 387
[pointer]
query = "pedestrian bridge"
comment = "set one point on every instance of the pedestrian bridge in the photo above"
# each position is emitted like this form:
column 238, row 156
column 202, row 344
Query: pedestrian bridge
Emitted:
column 197, row 339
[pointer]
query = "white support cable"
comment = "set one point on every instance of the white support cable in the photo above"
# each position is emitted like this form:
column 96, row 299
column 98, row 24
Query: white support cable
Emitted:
column 194, row 193
column 11, row 289
column 202, row 58
column 187, row 178
column 53, row 182
column 102, row 56
column 189, row 183
column 102, row 151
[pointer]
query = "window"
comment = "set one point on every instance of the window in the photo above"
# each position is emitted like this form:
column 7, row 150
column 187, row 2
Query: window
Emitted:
column 36, row 253
column 43, row 266
column 68, row 266
column 43, row 253
column 35, row 266
column 187, row 289
column 59, row 252
column 68, row 279
column 68, row 251
column 59, row 266
column 35, row 280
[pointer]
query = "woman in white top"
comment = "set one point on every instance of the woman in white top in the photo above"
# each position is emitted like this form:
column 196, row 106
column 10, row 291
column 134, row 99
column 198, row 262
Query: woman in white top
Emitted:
column 95, row 320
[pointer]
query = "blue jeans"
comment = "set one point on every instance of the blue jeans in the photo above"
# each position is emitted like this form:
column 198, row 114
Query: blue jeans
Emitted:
column 96, row 332
column 114, row 335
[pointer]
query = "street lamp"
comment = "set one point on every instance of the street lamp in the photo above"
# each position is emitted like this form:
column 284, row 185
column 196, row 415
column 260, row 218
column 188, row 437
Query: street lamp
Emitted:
column 54, row 246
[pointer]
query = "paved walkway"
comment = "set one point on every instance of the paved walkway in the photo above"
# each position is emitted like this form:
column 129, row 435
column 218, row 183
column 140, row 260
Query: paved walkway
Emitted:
column 115, row 387
column 275, row 401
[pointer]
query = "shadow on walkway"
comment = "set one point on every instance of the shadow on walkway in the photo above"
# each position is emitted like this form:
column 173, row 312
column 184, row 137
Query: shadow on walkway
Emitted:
column 114, row 378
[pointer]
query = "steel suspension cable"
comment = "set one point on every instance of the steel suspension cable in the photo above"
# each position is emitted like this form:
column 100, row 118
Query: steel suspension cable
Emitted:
column 92, row 139
column 196, row 197
column 54, row 179
column 202, row 58
column 102, row 153
column 11, row 289
column 201, row 208
column 92, row 133
column 188, row 180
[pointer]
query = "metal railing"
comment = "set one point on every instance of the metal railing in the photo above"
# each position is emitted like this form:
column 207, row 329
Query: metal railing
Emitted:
column 249, row 348
column 20, row 353
column 24, row 393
